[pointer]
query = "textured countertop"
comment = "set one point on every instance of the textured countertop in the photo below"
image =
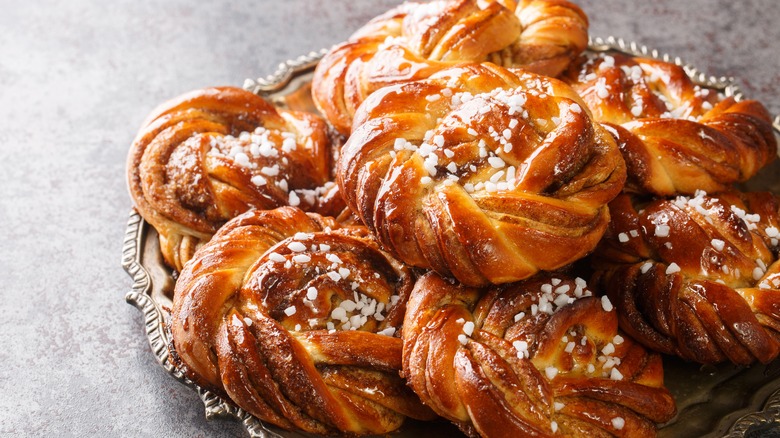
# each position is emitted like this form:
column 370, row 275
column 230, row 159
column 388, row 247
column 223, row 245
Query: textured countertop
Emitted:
column 76, row 80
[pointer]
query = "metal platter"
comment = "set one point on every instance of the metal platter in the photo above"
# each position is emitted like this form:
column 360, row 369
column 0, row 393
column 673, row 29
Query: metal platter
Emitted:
column 712, row 401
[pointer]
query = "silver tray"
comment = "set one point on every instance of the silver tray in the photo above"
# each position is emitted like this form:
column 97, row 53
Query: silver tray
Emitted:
column 712, row 401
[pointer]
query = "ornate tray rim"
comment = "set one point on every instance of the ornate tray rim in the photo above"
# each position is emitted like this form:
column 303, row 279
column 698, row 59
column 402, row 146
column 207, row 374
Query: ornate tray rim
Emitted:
column 140, row 294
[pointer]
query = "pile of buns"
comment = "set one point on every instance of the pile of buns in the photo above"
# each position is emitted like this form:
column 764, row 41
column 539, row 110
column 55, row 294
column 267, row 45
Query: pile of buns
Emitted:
column 484, row 223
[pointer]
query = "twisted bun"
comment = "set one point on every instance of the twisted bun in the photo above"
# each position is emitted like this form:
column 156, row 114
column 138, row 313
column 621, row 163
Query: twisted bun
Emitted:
column 676, row 137
column 541, row 357
column 295, row 318
column 415, row 40
column 206, row 156
column 482, row 173
column 696, row 276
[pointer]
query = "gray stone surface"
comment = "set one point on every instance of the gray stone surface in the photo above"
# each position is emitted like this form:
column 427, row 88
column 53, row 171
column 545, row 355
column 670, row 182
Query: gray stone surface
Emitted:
column 76, row 80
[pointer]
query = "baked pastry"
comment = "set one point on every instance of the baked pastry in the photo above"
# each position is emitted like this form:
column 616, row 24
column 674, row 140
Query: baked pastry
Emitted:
column 415, row 40
column 676, row 137
column 206, row 156
column 540, row 357
column 295, row 320
column 696, row 276
column 482, row 173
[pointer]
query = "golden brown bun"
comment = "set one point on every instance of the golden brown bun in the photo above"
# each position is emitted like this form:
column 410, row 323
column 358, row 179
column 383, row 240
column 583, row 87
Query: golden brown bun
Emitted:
column 415, row 40
column 482, row 173
column 676, row 136
column 255, row 318
column 204, row 157
column 697, row 277
column 541, row 357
